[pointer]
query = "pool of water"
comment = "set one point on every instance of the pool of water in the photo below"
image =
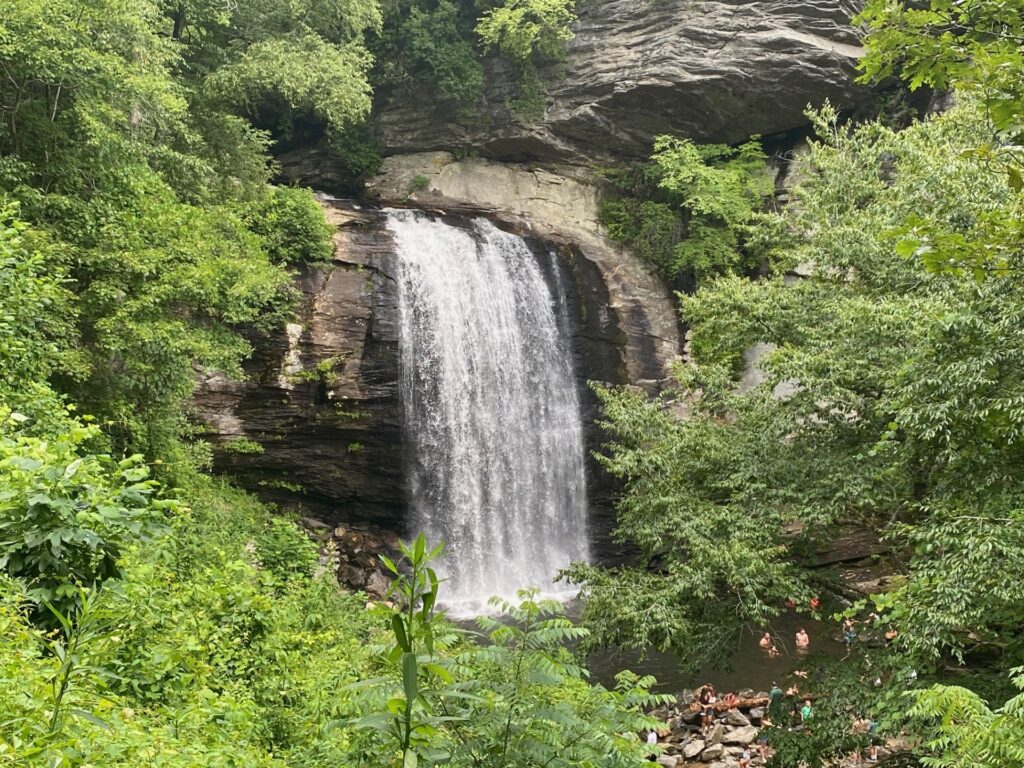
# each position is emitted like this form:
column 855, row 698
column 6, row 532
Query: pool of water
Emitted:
column 749, row 667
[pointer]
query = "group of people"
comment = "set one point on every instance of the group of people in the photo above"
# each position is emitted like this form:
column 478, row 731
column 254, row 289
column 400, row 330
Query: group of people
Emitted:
column 767, row 642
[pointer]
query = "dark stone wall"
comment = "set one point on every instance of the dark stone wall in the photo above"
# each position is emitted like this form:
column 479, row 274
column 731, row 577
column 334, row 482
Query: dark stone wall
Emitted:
column 322, row 398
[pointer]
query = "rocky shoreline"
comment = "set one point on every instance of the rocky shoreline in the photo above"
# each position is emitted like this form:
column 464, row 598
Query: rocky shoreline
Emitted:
column 733, row 731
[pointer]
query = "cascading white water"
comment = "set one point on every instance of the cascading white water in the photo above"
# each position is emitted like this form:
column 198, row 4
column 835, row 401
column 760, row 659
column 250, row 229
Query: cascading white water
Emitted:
column 492, row 417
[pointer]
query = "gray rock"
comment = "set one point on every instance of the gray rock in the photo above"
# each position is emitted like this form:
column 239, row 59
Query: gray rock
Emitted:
column 347, row 314
column 712, row 752
column 746, row 693
column 757, row 714
column 377, row 585
column 693, row 748
column 717, row 70
column 745, row 735
column 690, row 718
column 715, row 734
column 735, row 717
column 668, row 761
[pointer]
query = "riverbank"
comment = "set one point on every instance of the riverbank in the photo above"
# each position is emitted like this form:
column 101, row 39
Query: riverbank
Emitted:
column 733, row 731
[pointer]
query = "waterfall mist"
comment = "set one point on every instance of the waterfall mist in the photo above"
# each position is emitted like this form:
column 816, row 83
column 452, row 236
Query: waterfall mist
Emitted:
column 495, row 464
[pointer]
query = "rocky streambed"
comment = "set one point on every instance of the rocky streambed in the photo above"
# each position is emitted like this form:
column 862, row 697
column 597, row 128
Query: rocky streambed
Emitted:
column 732, row 732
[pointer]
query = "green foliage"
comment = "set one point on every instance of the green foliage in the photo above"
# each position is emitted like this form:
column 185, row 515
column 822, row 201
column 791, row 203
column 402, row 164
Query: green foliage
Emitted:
column 243, row 446
column 889, row 398
column 525, row 29
column 148, row 197
column 431, row 42
column 693, row 208
column 526, row 33
column 520, row 698
column 976, row 48
column 963, row 732
column 66, row 516
column 292, row 226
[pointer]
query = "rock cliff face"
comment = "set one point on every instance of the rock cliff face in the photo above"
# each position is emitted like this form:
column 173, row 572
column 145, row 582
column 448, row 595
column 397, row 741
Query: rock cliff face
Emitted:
column 316, row 425
column 322, row 399
column 714, row 71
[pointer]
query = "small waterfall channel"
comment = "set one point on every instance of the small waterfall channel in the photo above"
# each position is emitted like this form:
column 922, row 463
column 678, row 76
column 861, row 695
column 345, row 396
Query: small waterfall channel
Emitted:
column 495, row 464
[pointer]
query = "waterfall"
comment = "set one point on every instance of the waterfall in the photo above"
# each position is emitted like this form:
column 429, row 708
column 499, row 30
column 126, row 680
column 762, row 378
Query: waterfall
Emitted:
column 495, row 463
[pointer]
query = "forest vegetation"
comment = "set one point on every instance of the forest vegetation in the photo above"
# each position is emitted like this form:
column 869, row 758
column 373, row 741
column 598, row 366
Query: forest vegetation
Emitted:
column 151, row 614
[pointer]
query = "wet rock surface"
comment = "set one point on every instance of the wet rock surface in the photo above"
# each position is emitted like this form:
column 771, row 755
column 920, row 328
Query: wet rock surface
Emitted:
column 316, row 426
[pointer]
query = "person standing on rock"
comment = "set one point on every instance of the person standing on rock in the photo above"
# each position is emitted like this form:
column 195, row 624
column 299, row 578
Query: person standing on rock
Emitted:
column 745, row 758
column 652, row 741
column 803, row 640
column 707, row 704
column 775, row 697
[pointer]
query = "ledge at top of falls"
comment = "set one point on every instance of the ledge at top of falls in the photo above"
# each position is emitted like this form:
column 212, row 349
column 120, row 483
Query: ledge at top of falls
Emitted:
column 556, row 206
column 713, row 71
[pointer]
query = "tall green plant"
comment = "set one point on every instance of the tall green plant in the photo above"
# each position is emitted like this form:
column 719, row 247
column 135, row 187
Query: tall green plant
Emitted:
column 519, row 698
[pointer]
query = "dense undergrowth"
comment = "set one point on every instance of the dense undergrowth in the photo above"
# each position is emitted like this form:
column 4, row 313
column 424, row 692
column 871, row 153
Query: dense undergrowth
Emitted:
column 151, row 615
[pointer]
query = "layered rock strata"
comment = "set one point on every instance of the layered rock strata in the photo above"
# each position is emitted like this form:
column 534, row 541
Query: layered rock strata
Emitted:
column 714, row 71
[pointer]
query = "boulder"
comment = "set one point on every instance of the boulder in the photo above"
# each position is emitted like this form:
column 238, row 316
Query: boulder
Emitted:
column 668, row 761
column 745, row 735
column 735, row 717
column 690, row 718
column 712, row 752
column 693, row 748
column 715, row 734
column 757, row 714
column 378, row 584
column 685, row 698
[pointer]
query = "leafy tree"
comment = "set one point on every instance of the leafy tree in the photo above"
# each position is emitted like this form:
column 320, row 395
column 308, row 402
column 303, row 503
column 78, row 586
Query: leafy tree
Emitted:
column 693, row 208
column 65, row 518
column 432, row 42
column 887, row 398
column 977, row 48
column 963, row 731
column 523, row 29
column 528, row 32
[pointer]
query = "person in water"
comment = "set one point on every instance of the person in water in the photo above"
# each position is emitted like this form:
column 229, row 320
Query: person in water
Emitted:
column 768, row 644
column 803, row 640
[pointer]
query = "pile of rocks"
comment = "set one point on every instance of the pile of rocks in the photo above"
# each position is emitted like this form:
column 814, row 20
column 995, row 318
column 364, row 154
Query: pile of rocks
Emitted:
column 722, row 744
column 357, row 548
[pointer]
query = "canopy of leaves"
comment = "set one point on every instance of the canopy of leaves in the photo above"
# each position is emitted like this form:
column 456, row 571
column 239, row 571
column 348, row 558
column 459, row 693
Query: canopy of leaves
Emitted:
column 693, row 209
column 144, row 188
column 888, row 397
